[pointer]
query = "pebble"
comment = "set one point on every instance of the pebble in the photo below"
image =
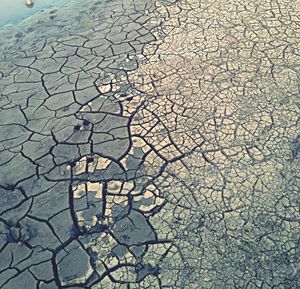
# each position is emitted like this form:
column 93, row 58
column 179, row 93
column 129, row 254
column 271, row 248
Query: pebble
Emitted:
column 19, row 35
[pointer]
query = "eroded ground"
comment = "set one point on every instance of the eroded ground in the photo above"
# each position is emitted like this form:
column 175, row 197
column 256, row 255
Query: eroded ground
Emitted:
column 151, row 145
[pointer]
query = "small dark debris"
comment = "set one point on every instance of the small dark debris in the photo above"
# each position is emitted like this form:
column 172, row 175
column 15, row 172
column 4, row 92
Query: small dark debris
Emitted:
column 86, row 122
column 77, row 127
column 100, row 216
column 90, row 160
column 144, row 270
column 13, row 235
column 99, row 228
column 72, row 164
column 10, row 187
column 19, row 35
column 30, row 29
column 295, row 147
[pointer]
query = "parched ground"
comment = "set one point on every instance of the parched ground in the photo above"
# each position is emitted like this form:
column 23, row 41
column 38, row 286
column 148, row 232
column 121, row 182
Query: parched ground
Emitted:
column 151, row 145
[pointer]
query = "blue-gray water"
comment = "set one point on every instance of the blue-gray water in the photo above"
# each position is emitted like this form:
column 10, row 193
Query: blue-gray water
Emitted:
column 14, row 11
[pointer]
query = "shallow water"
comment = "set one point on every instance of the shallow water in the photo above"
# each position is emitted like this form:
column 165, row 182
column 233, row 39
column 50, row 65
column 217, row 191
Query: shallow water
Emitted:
column 14, row 11
column 150, row 144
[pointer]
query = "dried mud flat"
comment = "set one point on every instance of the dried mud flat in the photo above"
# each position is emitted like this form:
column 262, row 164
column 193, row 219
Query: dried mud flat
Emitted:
column 151, row 145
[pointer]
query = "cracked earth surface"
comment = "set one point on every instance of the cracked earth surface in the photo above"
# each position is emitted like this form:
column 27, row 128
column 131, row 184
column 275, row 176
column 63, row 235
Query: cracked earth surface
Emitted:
column 151, row 145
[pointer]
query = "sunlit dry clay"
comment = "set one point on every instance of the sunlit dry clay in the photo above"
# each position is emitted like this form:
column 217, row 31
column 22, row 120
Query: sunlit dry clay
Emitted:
column 86, row 107
column 102, row 163
column 91, row 167
column 124, row 161
column 80, row 166
column 115, row 187
column 79, row 191
column 148, row 195
column 127, row 187
column 140, row 143
column 123, row 188
column 105, row 88
column 111, row 201
column 95, row 187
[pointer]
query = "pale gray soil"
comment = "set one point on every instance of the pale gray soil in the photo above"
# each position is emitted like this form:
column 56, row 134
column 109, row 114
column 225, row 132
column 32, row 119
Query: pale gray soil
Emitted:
column 151, row 144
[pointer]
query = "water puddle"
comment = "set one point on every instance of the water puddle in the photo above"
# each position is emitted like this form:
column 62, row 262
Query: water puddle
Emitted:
column 14, row 11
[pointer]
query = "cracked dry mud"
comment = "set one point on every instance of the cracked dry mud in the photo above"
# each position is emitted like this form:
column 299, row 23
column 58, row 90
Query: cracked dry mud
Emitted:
column 151, row 145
